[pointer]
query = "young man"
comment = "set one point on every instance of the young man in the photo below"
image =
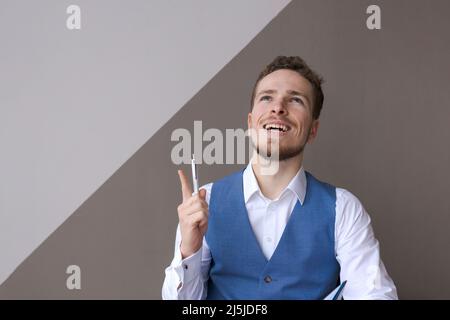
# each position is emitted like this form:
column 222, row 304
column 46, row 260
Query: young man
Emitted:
column 285, row 235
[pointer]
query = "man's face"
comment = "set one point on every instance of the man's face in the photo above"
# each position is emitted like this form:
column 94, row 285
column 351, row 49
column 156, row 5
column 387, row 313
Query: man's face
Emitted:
column 283, row 109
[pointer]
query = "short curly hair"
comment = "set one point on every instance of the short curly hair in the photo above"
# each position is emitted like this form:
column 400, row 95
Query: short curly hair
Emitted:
column 298, row 65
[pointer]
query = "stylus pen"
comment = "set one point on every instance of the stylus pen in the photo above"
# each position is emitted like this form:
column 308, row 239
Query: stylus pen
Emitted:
column 194, row 175
column 338, row 294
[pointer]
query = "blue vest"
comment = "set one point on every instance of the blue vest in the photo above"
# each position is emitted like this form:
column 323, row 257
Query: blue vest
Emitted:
column 304, row 264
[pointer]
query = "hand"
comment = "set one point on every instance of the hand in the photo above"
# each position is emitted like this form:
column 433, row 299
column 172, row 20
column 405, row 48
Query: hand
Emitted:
column 193, row 217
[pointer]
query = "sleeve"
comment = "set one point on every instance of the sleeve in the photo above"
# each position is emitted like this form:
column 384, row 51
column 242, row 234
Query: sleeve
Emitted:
column 186, row 279
column 358, row 252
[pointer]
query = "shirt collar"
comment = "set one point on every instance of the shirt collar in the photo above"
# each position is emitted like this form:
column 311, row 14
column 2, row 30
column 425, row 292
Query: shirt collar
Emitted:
column 297, row 185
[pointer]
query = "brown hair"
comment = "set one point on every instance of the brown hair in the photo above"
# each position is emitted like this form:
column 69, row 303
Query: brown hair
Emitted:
column 298, row 65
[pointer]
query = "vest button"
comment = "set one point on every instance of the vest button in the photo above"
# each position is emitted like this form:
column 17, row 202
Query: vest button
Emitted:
column 267, row 279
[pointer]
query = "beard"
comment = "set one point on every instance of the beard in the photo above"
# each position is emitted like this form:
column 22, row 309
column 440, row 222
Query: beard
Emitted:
column 284, row 152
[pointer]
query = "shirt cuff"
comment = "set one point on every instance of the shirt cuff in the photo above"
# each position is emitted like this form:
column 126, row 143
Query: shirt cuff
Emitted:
column 188, row 268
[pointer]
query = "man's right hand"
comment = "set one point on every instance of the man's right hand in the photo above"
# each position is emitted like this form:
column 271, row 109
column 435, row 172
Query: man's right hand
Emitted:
column 193, row 217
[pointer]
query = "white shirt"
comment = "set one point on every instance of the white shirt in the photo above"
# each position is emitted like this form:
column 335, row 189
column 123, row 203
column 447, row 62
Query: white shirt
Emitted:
column 357, row 249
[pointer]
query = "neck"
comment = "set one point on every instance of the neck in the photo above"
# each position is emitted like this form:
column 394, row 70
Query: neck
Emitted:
column 271, row 185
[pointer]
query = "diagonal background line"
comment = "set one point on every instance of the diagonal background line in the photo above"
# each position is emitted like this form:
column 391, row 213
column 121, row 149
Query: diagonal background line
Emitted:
column 75, row 105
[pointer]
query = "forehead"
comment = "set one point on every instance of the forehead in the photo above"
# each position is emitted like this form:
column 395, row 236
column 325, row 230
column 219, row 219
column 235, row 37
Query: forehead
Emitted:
column 283, row 80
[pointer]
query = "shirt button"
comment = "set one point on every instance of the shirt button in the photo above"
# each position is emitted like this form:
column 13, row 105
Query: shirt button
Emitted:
column 185, row 266
column 268, row 239
column 267, row 279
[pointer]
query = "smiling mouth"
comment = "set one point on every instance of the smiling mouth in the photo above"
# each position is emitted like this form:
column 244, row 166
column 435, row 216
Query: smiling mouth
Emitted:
column 276, row 127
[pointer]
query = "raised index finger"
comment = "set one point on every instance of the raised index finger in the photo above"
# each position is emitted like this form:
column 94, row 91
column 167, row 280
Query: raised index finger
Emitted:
column 185, row 186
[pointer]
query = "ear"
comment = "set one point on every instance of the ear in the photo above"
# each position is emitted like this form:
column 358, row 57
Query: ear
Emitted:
column 313, row 131
column 249, row 120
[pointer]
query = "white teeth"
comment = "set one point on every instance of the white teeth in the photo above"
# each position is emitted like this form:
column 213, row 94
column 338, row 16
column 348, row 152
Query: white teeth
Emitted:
column 271, row 126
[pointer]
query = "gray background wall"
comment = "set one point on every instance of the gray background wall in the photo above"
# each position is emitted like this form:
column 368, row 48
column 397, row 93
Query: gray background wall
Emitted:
column 383, row 135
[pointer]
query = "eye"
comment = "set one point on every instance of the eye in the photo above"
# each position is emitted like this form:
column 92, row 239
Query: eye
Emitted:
column 297, row 100
column 265, row 98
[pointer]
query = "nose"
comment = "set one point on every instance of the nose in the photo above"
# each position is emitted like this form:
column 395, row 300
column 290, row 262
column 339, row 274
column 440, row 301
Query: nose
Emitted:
column 278, row 107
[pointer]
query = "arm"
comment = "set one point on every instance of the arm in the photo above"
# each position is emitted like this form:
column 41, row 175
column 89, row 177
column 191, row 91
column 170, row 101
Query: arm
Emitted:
column 187, row 278
column 358, row 252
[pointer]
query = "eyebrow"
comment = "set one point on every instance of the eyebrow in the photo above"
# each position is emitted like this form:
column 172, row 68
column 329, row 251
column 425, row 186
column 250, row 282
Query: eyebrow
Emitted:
column 291, row 92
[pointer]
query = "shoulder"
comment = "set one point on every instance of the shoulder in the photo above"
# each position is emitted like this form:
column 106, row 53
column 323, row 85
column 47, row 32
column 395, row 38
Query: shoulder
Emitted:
column 325, row 189
column 348, row 200
column 350, row 210
column 230, row 177
column 220, row 182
